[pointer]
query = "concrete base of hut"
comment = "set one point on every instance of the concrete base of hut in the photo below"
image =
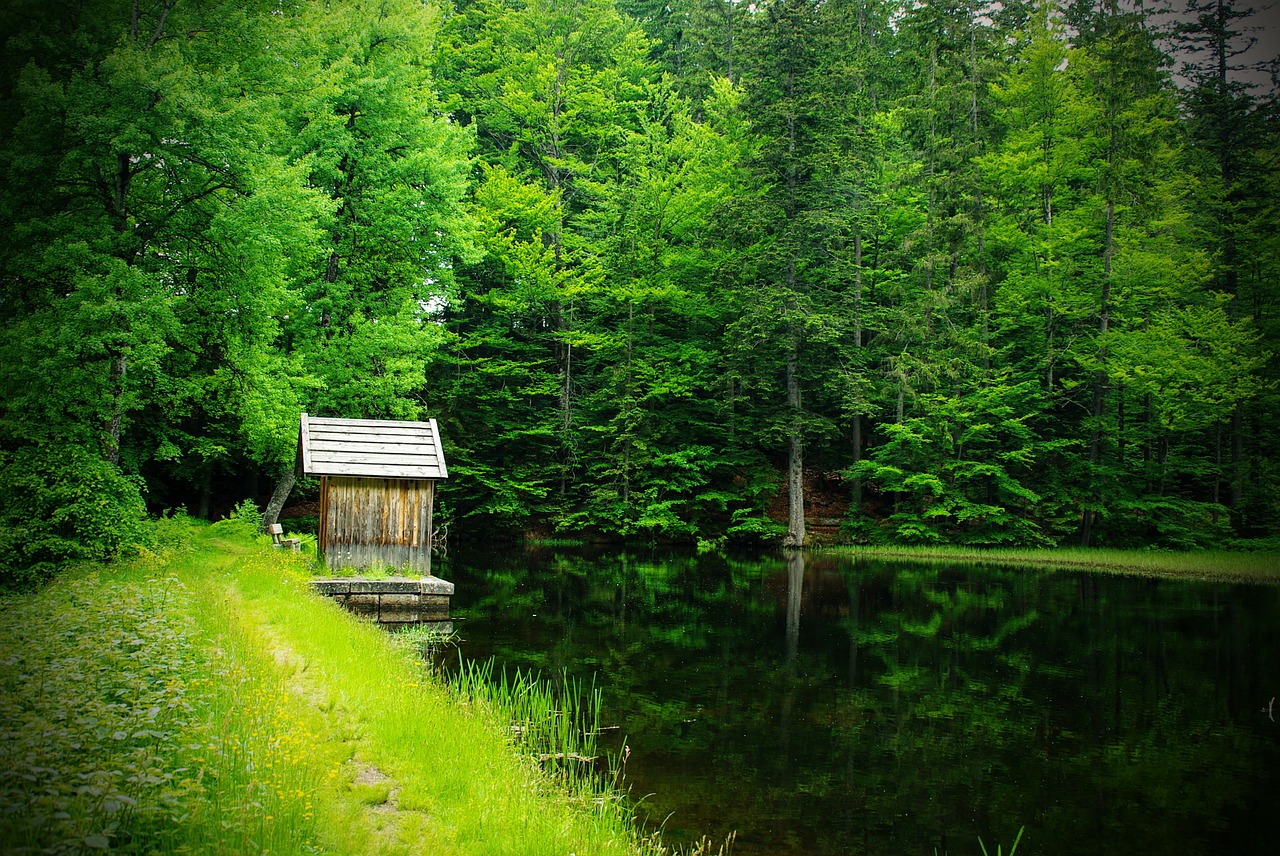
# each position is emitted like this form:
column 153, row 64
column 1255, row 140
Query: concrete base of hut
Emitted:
column 393, row 600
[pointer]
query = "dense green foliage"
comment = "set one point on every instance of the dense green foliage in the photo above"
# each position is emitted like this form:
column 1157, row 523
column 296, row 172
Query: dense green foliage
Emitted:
column 65, row 504
column 988, row 275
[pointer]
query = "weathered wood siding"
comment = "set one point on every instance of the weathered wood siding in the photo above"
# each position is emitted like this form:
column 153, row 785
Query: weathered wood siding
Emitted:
column 371, row 522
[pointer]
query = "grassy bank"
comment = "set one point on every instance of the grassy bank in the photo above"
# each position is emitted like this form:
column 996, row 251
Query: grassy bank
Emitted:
column 201, row 699
column 1262, row 567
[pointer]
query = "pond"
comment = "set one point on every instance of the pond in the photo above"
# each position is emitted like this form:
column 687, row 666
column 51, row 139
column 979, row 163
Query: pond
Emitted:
column 824, row 705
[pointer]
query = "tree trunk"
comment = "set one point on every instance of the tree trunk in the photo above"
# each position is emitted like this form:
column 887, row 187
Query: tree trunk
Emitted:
column 1230, row 260
column 1100, row 382
column 857, row 459
column 857, row 344
column 564, row 355
column 119, row 368
column 204, row 506
column 1237, row 466
column 278, row 498
column 728, row 71
column 795, row 458
column 566, row 387
column 857, row 291
column 1217, row 470
column 983, row 296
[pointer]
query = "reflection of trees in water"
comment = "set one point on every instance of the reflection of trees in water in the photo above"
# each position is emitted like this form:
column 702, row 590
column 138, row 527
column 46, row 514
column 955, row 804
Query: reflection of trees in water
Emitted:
column 795, row 592
column 795, row 589
column 932, row 703
column 910, row 707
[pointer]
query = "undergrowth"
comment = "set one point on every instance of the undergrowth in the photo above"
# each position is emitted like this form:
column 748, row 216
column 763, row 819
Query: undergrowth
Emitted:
column 127, row 726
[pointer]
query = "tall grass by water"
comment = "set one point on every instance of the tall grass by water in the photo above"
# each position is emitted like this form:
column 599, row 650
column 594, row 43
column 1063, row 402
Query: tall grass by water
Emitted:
column 557, row 722
column 1262, row 567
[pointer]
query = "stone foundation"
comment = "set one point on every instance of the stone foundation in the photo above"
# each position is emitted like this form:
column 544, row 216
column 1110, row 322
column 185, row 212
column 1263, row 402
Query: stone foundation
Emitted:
column 394, row 600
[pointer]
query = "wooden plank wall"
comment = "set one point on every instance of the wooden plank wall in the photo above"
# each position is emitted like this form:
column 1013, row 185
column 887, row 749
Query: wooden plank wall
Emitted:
column 373, row 522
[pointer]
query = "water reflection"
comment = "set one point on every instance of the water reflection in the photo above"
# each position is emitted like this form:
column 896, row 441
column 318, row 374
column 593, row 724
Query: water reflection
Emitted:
column 795, row 591
column 820, row 706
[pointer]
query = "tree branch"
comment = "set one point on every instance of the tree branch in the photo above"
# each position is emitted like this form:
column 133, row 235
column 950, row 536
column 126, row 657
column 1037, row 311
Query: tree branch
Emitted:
column 164, row 15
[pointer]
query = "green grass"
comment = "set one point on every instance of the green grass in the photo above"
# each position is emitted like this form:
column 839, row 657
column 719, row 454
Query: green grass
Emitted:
column 555, row 721
column 139, row 715
column 1260, row 567
column 203, row 699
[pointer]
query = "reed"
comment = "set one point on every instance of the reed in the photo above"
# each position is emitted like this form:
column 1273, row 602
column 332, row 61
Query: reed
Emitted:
column 1013, row 848
column 555, row 722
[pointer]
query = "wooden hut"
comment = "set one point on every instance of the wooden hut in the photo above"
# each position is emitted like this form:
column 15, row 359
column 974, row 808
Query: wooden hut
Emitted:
column 377, row 487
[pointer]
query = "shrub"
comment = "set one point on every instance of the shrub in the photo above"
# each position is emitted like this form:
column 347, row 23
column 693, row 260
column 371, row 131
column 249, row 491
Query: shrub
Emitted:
column 245, row 520
column 61, row 504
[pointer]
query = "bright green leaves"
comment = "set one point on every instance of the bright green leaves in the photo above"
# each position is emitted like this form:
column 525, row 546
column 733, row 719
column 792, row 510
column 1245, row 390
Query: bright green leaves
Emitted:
column 548, row 85
column 166, row 233
column 964, row 467
column 1104, row 292
column 582, row 382
column 256, row 218
column 520, row 225
column 1193, row 363
column 63, row 503
column 369, row 131
column 974, row 261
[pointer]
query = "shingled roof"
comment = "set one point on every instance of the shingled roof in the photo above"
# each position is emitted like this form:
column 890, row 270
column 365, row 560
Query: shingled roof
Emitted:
column 374, row 448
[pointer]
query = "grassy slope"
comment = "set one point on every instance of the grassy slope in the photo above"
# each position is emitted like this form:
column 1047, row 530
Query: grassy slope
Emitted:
column 1219, row 566
column 453, row 777
column 207, row 700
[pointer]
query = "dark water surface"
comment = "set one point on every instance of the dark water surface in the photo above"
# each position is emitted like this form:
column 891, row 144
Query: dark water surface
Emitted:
column 827, row 706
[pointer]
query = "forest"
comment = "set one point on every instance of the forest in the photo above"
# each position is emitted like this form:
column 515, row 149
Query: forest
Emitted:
column 936, row 272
